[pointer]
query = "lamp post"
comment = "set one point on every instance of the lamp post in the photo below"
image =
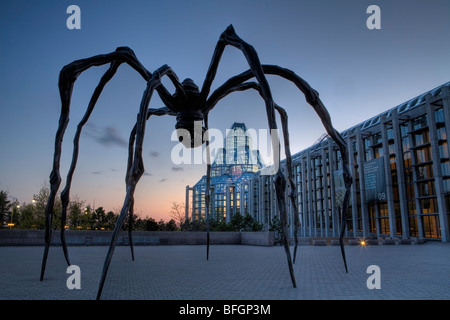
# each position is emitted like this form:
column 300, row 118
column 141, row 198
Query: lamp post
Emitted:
column 15, row 206
column 11, row 224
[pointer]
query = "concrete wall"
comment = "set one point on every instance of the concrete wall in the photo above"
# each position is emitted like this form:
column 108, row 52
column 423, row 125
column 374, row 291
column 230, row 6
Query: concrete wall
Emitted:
column 22, row 237
column 74, row 237
column 257, row 238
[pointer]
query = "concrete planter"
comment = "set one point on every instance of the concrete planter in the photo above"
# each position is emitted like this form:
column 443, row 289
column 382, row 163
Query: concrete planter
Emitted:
column 99, row 238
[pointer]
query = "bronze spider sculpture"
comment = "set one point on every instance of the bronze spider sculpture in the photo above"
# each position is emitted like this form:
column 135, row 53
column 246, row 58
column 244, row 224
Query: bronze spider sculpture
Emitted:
column 191, row 106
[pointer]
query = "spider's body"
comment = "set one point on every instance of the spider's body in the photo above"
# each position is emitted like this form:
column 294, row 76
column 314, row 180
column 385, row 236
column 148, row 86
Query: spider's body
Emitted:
column 191, row 106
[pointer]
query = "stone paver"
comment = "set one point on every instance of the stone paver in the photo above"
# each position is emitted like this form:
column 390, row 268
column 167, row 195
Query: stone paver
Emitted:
column 233, row 272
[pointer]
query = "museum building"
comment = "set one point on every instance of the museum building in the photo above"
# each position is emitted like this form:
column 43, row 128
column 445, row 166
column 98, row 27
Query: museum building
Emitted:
column 400, row 165
column 233, row 167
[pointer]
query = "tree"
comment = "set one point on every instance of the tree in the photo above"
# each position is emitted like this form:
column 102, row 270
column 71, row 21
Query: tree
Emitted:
column 177, row 213
column 86, row 219
column 5, row 206
column 161, row 225
column 110, row 220
column 276, row 226
column 221, row 225
column 40, row 204
column 171, row 225
column 250, row 224
column 75, row 212
column 236, row 222
column 28, row 218
column 151, row 224
column 98, row 218
column 134, row 222
column 196, row 225
column 240, row 223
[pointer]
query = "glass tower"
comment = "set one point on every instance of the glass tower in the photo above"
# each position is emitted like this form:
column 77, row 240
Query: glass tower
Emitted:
column 233, row 166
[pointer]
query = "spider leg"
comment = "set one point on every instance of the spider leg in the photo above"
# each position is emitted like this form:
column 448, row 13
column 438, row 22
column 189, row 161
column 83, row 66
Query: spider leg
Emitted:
column 134, row 172
column 65, row 193
column 129, row 165
column 67, row 78
column 229, row 37
column 280, row 189
column 157, row 112
column 208, row 186
column 130, row 227
column 312, row 97
column 284, row 123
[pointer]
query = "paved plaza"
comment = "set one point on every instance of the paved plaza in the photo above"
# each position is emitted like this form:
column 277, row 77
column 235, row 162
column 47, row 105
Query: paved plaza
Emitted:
column 233, row 272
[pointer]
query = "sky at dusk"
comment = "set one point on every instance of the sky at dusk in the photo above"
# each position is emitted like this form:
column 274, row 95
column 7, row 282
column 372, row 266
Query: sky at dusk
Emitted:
column 358, row 72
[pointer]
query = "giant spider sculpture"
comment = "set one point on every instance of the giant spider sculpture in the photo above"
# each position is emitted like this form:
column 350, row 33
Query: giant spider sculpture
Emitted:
column 191, row 107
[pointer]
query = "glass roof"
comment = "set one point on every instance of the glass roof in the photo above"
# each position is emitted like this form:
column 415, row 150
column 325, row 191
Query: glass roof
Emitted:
column 237, row 161
column 405, row 106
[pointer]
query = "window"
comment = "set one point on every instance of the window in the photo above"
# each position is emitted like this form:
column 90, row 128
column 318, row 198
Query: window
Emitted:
column 420, row 122
column 372, row 217
column 377, row 138
column 424, row 172
column 412, row 207
column 390, row 134
column 439, row 115
column 443, row 150
column 426, row 188
column 428, row 205
column 367, row 149
column 441, row 134
column 413, row 230
column 406, row 144
column 421, row 138
column 446, row 183
column 431, row 226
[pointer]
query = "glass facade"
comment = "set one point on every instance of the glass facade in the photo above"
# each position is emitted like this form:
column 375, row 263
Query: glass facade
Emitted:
column 399, row 160
column 233, row 167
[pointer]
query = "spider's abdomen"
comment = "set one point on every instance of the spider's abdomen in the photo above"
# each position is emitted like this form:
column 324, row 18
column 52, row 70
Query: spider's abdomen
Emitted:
column 190, row 129
column 190, row 117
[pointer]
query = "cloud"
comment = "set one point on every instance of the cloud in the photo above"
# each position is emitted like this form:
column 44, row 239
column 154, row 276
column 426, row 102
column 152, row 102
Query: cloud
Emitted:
column 177, row 169
column 147, row 174
column 108, row 136
column 162, row 180
column 154, row 154
column 111, row 137
column 104, row 171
